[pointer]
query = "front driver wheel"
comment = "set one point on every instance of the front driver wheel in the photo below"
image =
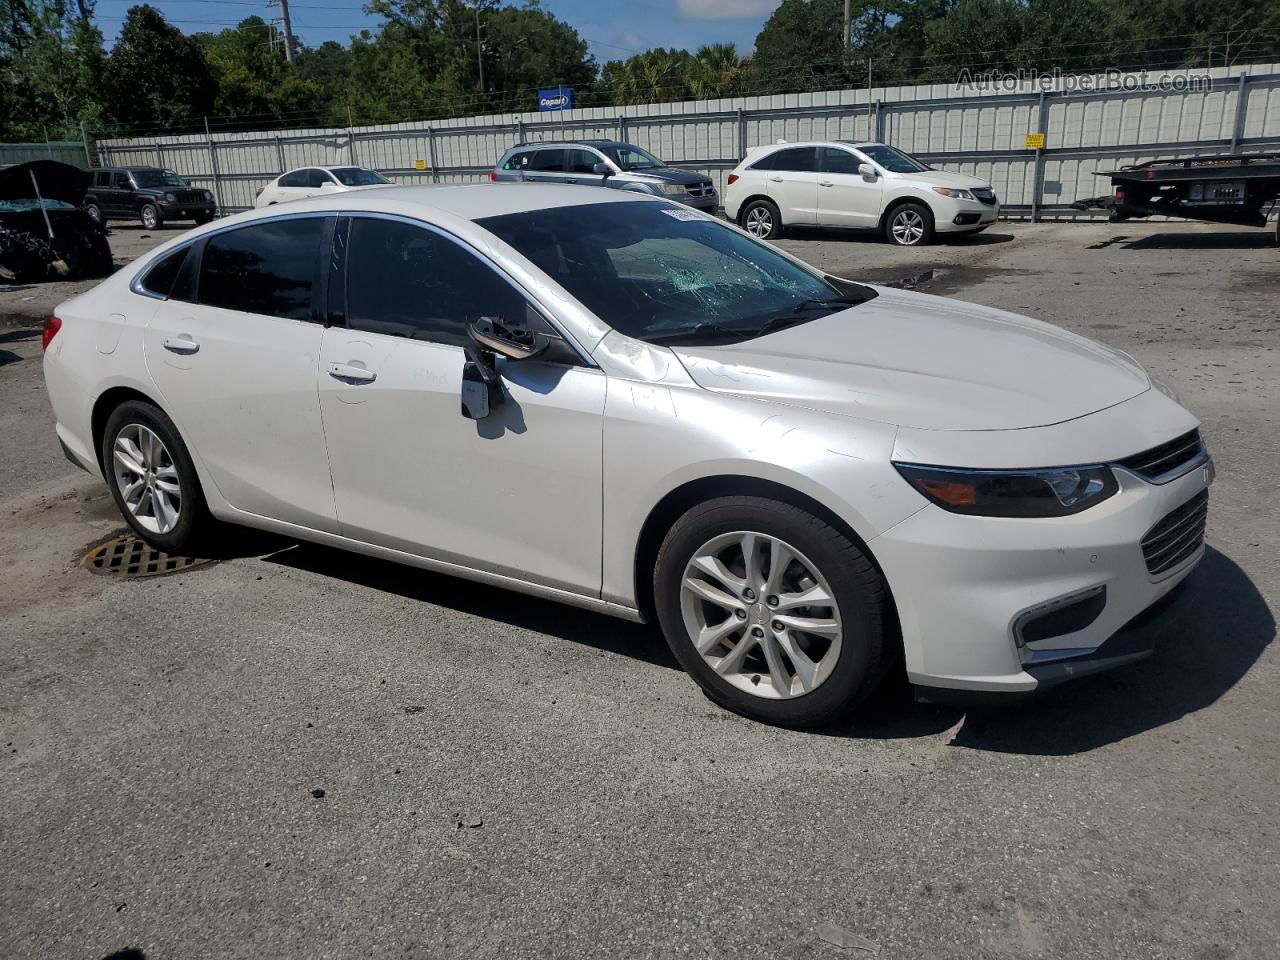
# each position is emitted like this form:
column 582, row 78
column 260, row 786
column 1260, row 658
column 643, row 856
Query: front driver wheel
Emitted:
column 910, row 225
column 760, row 218
column 95, row 212
column 150, row 216
column 775, row 613
column 153, row 480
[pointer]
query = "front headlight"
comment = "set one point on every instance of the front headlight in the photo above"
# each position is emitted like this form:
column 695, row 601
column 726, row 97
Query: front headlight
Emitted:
column 209, row 196
column 1052, row 492
column 672, row 189
column 954, row 194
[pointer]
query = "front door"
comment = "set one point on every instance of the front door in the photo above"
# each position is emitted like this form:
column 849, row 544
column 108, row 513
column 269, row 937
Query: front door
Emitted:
column 845, row 197
column 581, row 167
column 517, row 493
column 233, row 351
column 792, row 182
column 546, row 164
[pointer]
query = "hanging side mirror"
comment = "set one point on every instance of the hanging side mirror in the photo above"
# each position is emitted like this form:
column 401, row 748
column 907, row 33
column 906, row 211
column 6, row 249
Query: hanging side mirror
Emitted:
column 867, row 170
column 516, row 338
column 481, row 384
column 602, row 168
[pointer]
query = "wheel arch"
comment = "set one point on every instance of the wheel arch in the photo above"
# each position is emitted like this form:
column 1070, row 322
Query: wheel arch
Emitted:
column 681, row 499
column 901, row 202
column 102, row 409
column 752, row 198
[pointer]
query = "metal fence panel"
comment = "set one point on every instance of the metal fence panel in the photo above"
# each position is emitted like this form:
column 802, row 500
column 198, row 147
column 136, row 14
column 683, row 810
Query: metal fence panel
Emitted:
column 977, row 132
column 64, row 151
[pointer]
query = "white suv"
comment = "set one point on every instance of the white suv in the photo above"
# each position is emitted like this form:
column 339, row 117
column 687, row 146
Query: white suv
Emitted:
column 841, row 184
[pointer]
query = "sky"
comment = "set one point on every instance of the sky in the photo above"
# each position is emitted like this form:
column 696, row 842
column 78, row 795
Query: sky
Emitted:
column 614, row 29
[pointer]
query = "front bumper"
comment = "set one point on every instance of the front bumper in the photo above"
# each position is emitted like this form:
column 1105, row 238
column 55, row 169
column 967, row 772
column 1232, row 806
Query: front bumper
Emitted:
column 958, row 216
column 965, row 587
column 706, row 203
column 187, row 211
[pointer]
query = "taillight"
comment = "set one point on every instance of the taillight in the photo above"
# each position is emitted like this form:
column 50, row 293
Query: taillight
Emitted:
column 51, row 328
column 493, row 174
column 1119, row 194
column 733, row 178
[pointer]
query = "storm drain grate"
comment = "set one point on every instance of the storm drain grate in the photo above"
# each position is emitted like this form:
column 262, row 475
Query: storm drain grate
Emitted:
column 131, row 557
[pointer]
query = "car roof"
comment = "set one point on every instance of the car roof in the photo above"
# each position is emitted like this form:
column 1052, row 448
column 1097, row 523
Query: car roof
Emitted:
column 472, row 201
column 570, row 143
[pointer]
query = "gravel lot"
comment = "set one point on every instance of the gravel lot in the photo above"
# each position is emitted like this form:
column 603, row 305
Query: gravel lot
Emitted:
column 503, row 777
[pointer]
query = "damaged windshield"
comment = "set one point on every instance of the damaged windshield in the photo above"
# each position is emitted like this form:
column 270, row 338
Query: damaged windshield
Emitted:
column 666, row 274
column 632, row 158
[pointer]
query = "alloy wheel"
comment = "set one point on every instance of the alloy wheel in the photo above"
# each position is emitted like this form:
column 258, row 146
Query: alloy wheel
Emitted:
column 761, row 615
column 759, row 222
column 147, row 478
column 149, row 218
column 908, row 227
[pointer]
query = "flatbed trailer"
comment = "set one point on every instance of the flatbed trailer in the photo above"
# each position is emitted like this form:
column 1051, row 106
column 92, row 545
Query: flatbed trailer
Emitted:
column 1237, row 189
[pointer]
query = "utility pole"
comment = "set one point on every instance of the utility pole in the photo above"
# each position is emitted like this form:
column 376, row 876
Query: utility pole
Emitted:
column 288, row 30
column 845, row 39
column 479, row 59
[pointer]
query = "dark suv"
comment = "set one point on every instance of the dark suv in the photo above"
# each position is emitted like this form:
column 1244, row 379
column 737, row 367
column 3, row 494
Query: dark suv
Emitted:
column 605, row 163
column 147, row 193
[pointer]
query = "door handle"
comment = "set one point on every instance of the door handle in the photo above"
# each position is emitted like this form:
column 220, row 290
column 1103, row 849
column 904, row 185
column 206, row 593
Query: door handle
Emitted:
column 183, row 344
column 573, row 179
column 776, row 179
column 350, row 373
column 826, row 183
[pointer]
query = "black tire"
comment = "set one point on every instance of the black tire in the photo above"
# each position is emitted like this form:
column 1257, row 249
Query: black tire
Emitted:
column 862, row 598
column 150, row 216
column 916, row 237
column 95, row 212
column 766, row 214
column 195, row 533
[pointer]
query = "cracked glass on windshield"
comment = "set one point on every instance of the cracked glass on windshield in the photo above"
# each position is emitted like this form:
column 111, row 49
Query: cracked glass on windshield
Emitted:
column 666, row 274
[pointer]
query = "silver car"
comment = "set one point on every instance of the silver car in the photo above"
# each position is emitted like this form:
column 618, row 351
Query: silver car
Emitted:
column 605, row 163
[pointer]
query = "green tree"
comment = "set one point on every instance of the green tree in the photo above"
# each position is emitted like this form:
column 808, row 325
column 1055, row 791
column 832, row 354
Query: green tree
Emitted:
column 157, row 76
column 51, row 68
column 254, row 80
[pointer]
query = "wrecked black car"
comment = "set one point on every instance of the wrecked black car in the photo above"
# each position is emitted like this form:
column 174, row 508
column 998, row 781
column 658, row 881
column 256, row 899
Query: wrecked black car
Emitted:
column 44, row 233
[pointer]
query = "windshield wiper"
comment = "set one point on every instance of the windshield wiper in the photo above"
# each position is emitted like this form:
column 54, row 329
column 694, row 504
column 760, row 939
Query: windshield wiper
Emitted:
column 698, row 330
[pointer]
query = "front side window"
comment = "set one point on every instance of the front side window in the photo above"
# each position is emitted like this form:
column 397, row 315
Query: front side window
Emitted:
column 582, row 161
column 150, row 179
column 632, row 158
column 296, row 179
column 656, row 272
column 835, row 160
column 318, row 178
column 120, row 180
column 404, row 280
column 267, row 268
column 358, row 177
column 547, row 161
column 893, row 159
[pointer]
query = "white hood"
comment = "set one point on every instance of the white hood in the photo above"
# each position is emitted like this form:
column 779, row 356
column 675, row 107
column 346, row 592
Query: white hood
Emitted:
column 942, row 178
column 920, row 361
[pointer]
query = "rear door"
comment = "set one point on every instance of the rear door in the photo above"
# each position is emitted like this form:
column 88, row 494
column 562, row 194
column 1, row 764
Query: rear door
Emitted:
column 845, row 198
column 547, row 164
column 233, row 351
column 117, row 197
column 792, row 181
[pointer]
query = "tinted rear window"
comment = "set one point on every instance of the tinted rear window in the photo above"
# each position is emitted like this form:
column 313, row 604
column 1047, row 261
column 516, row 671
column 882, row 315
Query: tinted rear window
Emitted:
column 267, row 268
column 159, row 279
column 802, row 159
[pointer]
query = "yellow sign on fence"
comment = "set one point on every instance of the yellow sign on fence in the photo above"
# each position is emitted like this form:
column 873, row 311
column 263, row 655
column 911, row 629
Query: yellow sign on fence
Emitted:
column 1035, row 141
column 420, row 164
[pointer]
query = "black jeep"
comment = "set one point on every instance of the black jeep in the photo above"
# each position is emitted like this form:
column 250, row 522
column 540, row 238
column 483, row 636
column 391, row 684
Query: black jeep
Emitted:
column 147, row 193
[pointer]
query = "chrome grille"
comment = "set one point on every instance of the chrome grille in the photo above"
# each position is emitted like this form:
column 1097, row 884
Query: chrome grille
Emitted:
column 1161, row 463
column 701, row 189
column 1178, row 536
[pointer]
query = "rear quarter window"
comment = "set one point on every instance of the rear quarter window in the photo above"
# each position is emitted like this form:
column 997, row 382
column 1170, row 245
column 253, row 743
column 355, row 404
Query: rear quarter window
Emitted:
column 268, row 268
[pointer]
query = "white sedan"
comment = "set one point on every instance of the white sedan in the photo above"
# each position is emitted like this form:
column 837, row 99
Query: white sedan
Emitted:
column 313, row 181
column 623, row 404
column 862, row 185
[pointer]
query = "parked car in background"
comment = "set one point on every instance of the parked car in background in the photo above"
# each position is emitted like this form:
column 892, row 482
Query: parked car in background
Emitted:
column 44, row 230
column 149, row 194
column 605, row 163
column 863, row 185
column 607, row 400
column 310, row 181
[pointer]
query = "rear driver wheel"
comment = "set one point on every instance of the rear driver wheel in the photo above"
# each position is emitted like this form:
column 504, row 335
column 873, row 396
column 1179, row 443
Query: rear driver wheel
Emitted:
column 153, row 480
column 775, row 614
column 761, row 218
